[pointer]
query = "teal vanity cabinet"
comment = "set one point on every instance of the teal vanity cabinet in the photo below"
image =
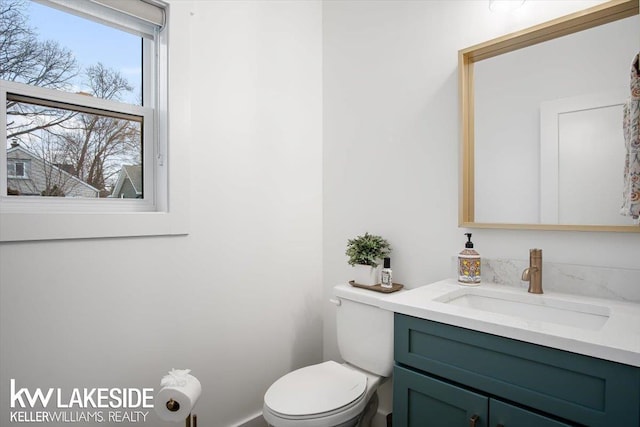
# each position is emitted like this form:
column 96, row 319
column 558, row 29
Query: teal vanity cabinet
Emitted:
column 447, row 376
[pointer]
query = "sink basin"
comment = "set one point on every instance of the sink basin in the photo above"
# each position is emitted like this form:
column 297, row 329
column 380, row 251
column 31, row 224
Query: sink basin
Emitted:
column 530, row 307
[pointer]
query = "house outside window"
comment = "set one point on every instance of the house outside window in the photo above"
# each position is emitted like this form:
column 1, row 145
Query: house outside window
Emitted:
column 44, row 179
column 83, row 111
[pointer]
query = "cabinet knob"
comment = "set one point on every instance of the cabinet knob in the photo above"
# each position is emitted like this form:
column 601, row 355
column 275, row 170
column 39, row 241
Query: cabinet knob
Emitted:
column 473, row 420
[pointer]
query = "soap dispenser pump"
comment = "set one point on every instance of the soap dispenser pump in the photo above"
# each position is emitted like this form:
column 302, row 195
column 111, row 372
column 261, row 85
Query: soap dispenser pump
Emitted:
column 469, row 264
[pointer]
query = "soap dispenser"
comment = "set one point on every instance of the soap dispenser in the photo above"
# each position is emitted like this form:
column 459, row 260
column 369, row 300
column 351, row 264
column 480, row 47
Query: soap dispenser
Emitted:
column 469, row 264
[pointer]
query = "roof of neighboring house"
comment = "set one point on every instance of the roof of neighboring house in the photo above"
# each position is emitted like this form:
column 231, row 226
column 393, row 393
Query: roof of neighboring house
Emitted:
column 133, row 173
column 18, row 148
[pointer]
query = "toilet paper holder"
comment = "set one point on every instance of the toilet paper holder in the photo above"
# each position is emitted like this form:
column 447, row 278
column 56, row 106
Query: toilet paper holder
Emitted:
column 190, row 421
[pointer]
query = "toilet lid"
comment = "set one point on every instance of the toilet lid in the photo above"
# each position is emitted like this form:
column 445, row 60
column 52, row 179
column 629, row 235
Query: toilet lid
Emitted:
column 315, row 389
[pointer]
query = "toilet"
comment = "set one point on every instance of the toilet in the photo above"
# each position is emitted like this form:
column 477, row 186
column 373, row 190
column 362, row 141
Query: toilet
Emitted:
column 332, row 394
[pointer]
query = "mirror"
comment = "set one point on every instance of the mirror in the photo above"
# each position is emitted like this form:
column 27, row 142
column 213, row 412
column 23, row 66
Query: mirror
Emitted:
column 541, row 116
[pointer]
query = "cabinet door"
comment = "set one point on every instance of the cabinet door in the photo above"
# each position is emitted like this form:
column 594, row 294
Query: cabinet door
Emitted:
column 505, row 415
column 422, row 401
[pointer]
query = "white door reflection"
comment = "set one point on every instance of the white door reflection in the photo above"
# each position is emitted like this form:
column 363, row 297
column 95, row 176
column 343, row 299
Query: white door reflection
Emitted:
column 582, row 159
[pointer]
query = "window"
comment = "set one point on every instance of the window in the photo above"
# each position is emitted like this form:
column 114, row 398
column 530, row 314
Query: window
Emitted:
column 17, row 169
column 76, row 150
column 84, row 119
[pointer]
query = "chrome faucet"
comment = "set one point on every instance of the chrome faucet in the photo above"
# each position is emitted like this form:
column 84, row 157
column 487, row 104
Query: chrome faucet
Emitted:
column 533, row 274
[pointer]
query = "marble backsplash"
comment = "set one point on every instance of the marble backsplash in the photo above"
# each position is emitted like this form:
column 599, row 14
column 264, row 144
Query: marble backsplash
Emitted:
column 622, row 284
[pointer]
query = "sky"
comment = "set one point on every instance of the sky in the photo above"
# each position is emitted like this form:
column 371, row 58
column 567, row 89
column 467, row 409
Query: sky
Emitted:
column 91, row 42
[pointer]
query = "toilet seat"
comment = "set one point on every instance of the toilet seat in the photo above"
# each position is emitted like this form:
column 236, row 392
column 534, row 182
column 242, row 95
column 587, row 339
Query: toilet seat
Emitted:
column 316, row 391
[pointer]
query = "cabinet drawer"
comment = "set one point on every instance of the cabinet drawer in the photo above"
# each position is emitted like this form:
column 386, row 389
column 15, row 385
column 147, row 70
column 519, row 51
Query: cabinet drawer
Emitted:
column 589, row 391
column 422, row 401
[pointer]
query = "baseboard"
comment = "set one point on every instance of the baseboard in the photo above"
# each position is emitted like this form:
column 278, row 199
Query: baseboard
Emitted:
column 255, row 420
column 382, row 418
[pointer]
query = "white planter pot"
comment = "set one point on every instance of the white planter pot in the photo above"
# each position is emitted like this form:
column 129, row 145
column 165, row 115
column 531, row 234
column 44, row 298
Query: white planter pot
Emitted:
column 366, row 275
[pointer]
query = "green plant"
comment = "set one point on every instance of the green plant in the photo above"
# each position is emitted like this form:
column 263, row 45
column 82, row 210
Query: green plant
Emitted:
column 367, row 249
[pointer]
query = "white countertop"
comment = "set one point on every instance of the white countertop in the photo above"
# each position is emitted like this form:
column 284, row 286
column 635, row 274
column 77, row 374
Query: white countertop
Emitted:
column 618, row 340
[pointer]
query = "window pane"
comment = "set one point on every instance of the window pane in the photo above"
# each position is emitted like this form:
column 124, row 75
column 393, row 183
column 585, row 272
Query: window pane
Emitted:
column 45, row 47
column 20, row 169
column 72, row 151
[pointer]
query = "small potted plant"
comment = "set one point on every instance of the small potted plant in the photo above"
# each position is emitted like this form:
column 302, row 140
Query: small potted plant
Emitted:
column 365, row 254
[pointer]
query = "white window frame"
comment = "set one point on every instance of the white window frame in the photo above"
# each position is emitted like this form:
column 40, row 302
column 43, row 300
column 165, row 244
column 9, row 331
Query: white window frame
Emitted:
column 163, row 209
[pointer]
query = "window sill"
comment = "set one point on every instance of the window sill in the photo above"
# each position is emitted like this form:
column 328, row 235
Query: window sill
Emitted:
column 54, row 226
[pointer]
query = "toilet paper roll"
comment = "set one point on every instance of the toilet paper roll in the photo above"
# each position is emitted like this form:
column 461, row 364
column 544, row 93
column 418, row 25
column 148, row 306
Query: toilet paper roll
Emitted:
column 184, row 390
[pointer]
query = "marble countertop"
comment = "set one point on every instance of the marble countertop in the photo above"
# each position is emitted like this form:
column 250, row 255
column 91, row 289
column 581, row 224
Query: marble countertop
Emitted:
column 617, row 340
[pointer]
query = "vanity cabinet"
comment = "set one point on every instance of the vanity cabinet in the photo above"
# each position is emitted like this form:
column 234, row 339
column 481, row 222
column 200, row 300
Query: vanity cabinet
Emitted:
column 437, row 403
column 449, row 376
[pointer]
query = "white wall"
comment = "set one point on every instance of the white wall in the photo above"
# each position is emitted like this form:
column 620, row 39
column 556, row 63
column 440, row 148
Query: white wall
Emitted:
column 391, row 141
column 239, row 299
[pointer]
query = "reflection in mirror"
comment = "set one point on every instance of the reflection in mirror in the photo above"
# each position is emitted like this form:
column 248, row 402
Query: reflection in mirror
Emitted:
column 509, row 92
column 542, row 129
column 581, row 153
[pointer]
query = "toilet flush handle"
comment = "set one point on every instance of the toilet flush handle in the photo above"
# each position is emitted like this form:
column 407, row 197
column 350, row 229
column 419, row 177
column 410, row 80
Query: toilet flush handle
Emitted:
column 336, row 301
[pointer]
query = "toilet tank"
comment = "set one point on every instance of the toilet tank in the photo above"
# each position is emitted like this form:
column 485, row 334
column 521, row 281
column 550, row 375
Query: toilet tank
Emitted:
column 365, row 331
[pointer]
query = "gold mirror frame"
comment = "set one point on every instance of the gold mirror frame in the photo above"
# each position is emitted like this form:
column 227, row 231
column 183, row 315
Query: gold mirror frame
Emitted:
column 588, row 18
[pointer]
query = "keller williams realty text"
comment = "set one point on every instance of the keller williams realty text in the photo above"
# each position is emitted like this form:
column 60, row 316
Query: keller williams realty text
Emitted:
column 78, row 417
column 118, row 401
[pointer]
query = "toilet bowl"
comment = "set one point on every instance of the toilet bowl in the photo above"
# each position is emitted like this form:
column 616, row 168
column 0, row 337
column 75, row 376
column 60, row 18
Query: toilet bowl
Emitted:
column 328, row 394
column 331, row 394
